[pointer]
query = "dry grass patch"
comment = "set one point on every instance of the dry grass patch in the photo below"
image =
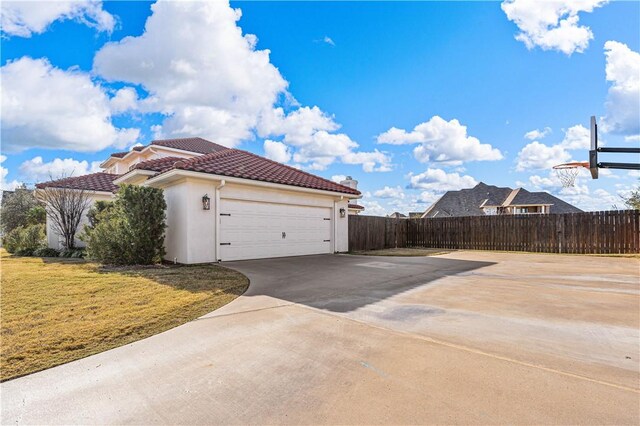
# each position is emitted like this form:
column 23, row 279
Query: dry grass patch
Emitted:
column 59, row 310
column 404, row 252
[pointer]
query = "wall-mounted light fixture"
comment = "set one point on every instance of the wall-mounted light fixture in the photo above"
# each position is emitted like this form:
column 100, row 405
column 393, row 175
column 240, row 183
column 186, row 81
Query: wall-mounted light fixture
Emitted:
column 206, row 202
column 343, row 212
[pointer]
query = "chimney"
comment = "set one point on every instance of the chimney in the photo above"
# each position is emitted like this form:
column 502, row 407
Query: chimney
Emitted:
column 350, row 182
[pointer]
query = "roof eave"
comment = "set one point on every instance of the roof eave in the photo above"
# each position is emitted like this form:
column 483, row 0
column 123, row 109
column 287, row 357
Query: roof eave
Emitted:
column 127, row 177
column 37, row 191
column 177, row 173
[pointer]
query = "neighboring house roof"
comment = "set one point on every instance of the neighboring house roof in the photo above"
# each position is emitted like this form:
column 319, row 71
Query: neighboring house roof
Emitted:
column 415, row 215
column 397, row 215
column 526, row 198
column 245, row 165
column 197, row 145
column 355, row 206
column 469, row 202
column 102, row 182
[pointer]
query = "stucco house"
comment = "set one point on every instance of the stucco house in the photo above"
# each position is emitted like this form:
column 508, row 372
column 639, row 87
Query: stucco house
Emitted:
column 485, row 199
column 226, row 204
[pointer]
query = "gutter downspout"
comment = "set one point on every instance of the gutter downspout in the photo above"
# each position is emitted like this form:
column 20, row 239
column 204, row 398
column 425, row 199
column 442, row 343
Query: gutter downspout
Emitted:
column 217, row 220
column 336, row 217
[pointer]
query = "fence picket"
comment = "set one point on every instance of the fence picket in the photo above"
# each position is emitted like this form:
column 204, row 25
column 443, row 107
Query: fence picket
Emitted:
column 589, row 232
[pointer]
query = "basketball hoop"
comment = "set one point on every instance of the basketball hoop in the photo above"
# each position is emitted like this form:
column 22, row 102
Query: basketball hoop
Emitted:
column 568, row 172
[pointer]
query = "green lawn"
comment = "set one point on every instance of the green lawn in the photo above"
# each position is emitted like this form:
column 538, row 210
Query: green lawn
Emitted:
column 58, row 310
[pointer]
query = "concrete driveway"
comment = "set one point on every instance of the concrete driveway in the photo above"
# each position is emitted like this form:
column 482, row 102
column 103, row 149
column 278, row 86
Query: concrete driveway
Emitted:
column 469, row 337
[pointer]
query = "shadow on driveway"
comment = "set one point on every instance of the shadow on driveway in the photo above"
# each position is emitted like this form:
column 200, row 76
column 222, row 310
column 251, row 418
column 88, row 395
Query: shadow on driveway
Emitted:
column 344, row 283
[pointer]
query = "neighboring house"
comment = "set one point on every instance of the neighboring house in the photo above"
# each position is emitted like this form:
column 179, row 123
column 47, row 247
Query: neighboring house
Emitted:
column 397, row 215
column 415, row 215
column 486, row 199
column 258, row 208
column 353, row 207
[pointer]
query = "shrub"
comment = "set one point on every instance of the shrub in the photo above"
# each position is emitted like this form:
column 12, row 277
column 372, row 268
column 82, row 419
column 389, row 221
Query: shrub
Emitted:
column 36, row 215
column 46, row 252
column 76, row 253
column 96, row 211
column 23, row 241
column 130, row 231
column 11, row 241
column 15, row 208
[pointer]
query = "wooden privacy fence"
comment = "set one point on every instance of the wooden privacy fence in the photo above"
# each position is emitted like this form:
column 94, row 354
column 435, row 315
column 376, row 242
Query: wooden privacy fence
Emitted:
column 603, row 232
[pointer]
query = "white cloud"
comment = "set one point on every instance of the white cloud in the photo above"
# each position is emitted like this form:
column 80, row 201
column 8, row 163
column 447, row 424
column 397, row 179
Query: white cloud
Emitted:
column 577, row 137
column 442, row 141
column 308, row 130
column 298, row 126
column 46, row 107
column 599, row 200
column 323, row 148
column 338, row 178
column 209, row 79
column 328, row 40
column 552, row 24
column 374, row 161
column 373, row 208
column 538, row 134
column 125, row 99
column 623, row 98
column 276, row 151
column 539, row 156
column 389, row 192
column 576, row 189
column 437, row 180
column 632, row 138
column 36, row 170
column 545, row 182
column 24, row 18
column 4, row 185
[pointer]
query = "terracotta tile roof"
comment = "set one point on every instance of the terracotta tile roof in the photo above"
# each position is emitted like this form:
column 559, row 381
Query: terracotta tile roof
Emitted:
column 93, row 182
column 245, row 165
column 355, row 206
column 157, row 165
column 199, row 145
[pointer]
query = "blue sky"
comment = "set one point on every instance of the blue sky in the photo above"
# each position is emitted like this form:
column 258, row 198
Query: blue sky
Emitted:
column 410, row 98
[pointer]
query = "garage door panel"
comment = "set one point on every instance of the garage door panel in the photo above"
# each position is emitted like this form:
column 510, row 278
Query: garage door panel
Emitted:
column 253, row 230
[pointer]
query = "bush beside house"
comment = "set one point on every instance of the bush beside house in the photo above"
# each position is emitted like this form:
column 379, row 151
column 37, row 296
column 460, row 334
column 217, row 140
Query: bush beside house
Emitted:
column 25, row 240
column 129, row 230
column 22, row 220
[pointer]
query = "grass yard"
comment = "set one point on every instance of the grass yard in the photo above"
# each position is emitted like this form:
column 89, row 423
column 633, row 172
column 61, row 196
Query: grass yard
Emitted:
column 58, row 310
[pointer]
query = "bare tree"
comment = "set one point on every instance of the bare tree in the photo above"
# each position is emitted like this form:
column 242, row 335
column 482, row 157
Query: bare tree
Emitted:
column 65, row 209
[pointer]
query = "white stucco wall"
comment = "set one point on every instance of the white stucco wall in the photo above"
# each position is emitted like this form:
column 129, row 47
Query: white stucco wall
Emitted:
column 191, row 231
column 342, row 227
column 55, row 240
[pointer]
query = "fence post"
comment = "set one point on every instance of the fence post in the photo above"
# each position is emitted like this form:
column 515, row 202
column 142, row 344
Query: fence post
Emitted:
column 560, row 232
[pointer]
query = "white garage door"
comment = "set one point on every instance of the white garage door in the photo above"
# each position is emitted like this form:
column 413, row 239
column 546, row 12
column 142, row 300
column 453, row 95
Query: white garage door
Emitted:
column 254, row 230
